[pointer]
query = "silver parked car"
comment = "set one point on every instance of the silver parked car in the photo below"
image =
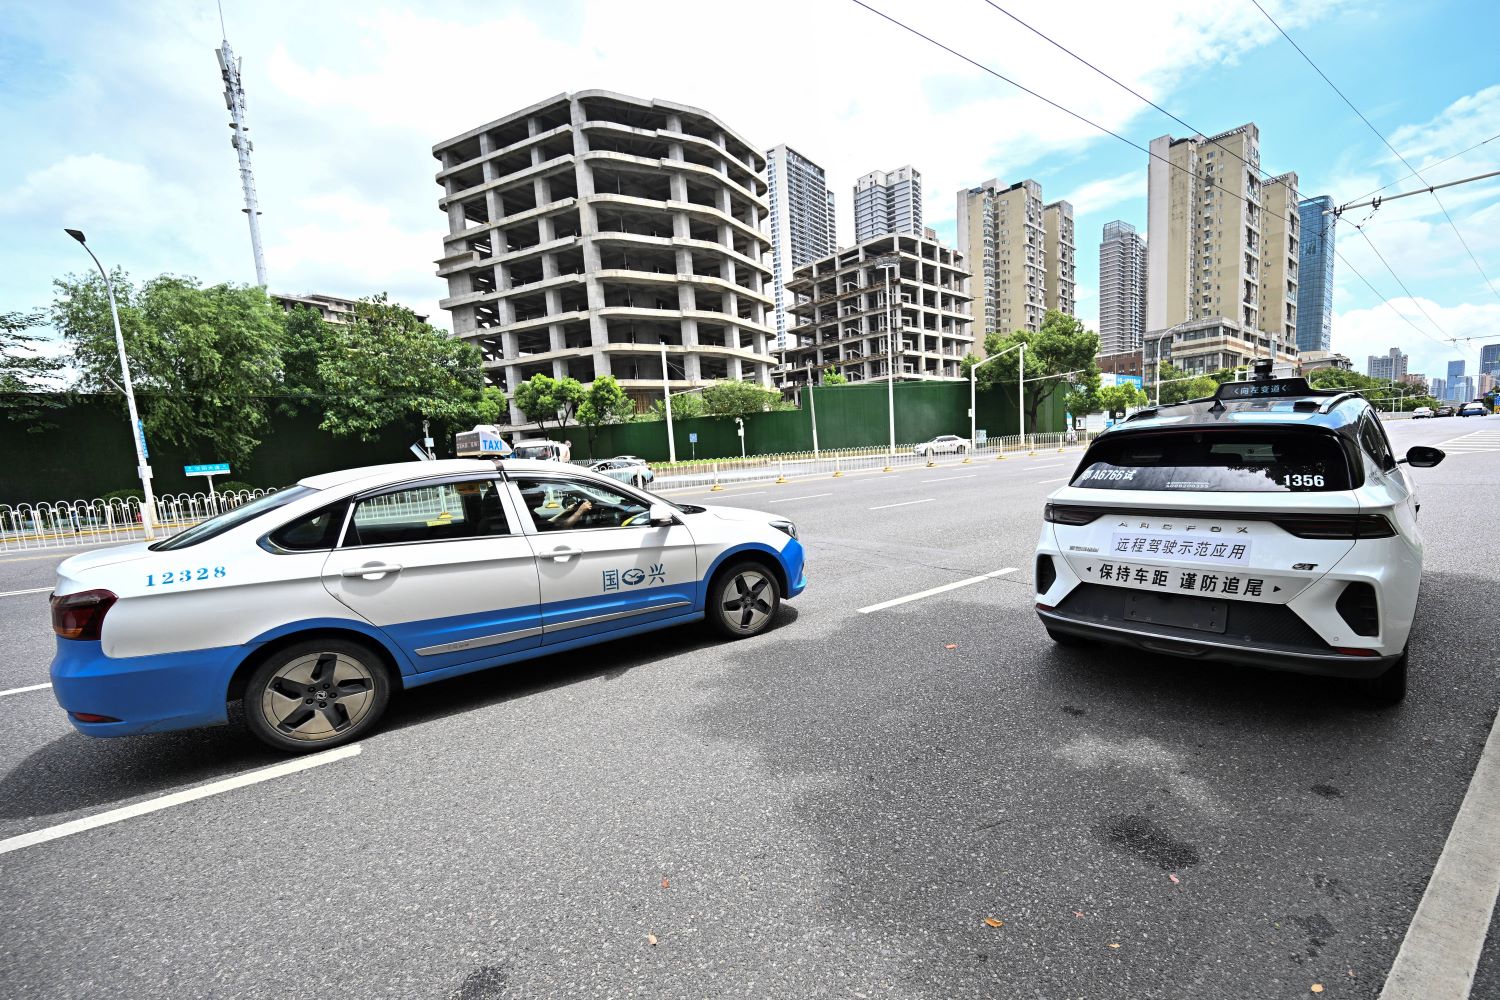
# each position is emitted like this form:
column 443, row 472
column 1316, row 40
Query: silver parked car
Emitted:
column 626, row 469
column 943, row 444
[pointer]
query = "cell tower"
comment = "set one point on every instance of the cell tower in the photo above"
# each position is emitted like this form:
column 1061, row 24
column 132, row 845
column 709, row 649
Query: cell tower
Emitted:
column 234, row 100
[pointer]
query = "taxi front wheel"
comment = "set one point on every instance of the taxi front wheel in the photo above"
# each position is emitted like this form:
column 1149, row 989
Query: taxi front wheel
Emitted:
column 315, row 695
column 743, row 600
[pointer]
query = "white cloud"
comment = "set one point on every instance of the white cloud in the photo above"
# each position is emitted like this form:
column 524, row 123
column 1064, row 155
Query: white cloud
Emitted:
column 1360, row 333
column 1466, row 121
column 1096, row 196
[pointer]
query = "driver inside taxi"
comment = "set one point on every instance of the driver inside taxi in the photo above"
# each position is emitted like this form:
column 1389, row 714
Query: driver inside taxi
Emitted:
column 569, row 516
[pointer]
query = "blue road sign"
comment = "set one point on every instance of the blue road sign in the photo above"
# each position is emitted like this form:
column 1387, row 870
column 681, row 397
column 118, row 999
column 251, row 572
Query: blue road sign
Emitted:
column 692, row 437
column 219, row 469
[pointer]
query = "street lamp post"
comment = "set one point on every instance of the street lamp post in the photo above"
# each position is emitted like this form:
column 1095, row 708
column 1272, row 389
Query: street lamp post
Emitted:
column 1156, row 372
column 138, row 433
column 890, row 264
column 666, row 395
column 1020, row 389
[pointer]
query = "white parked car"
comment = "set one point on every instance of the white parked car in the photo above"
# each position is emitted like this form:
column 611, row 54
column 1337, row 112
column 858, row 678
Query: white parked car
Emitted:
column 1421, row 412
column 943, row 444
column 1270, row 526
column 625, row 469
column 314, row 604
column 542, row 450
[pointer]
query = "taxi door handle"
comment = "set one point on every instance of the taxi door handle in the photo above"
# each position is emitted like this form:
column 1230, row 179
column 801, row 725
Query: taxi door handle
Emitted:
column 563, row 553
column 371, row 571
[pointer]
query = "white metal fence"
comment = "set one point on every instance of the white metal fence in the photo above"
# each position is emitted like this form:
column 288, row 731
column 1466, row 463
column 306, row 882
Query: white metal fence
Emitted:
column 73, row 523
column 836, row 462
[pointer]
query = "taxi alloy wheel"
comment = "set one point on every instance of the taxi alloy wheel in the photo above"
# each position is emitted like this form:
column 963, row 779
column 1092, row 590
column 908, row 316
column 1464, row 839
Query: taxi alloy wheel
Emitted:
column 315, row 695
column 745, row 600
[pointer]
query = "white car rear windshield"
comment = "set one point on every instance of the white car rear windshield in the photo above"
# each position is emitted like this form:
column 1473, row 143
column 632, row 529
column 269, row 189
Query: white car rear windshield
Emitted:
column 1262, row 460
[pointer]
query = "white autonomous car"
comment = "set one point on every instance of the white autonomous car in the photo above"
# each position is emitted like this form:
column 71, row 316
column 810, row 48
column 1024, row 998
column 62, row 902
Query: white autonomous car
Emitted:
column 313, row 604
column 1268, row 525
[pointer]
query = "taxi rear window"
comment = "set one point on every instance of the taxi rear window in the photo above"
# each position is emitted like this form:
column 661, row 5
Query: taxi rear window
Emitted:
column 1217, row 461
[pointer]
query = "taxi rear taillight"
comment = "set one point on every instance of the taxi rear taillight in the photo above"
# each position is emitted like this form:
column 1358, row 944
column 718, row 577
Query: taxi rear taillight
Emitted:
column 1061, row 513
column 1343, row 526
column 91, row 717
column 81, row 615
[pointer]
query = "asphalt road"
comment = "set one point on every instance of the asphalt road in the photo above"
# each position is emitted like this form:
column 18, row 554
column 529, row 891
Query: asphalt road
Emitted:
column 831, row 809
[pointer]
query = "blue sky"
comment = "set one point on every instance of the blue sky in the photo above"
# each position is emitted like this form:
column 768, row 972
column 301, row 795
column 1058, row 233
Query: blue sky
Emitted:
column 114, row 124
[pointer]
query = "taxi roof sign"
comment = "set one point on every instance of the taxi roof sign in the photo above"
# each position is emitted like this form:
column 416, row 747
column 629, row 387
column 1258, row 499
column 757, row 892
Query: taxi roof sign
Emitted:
column 484, row 441
column 1266, row 388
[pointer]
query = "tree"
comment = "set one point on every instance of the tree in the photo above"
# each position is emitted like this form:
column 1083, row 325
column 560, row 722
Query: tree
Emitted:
column 308, row 338
column 1176, row 386
column 684, row 406
column 1119, row 398
column 604, row 402
column 542, row 398
column 27, row 373
column 834, row 378
column 1061, row 357
column 387, row 367
column 738, row 399
column 205, row 361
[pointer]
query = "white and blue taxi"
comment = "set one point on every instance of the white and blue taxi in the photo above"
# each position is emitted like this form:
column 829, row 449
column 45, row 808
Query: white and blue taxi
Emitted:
column 313, row 604
column 1269, row 525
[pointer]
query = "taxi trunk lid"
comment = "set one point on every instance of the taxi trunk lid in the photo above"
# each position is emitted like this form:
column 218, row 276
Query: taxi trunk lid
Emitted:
column 1253, row 513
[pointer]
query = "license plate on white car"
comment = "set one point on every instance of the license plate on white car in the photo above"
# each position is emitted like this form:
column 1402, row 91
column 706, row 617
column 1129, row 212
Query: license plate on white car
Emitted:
column 1171, row 609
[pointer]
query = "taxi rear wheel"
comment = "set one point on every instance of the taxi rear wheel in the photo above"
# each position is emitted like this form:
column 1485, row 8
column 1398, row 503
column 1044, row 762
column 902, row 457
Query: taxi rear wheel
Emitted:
column 743, row 600
column 316, row 694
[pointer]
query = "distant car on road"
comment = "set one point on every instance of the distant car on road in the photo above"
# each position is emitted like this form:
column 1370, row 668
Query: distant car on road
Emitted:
column 943, row 444
column 625, row 469
column 1421, row 412
column 1443, row 411
column 1472, row 410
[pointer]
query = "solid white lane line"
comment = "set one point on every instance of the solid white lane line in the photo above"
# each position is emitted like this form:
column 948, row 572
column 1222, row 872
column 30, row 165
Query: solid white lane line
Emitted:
column 971, row 475
column 906, row 503
column 34, row 687
column 177, row 798
column 936, row 590
column 810, row 496
column 33, row 590
column 1046, row 465
column 1044, row 482
column 1440, row 952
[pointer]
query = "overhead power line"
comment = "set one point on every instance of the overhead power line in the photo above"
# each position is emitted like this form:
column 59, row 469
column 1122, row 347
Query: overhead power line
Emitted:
column 1435, row 163
column 1129, row 142
column 1382, row 138
column 1377, row 202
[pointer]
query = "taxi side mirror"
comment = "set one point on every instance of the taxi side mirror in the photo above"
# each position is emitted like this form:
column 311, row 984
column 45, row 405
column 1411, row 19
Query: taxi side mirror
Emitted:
column 1424, row 456
column 661, row 516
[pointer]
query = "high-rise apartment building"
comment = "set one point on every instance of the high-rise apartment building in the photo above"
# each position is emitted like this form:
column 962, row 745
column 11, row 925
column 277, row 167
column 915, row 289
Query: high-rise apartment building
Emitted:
column 1461, row 389
column 1315, row 274
column 1061, row 256
column 1390, row 367
column 1021, row 252
column 888, row 201
column 592, row 231
column 1437, row 387
column 847, row 301
column 1122, row 289
column 802, row 224
column 1456, row 369
column 1213, row 234
column 1489, row 359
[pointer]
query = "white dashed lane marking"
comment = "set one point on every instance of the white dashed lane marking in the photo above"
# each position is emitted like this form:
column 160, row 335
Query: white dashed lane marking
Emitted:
column 18, row 593
column 34, row 687
column 176, row 799
column 904, row 503
column 936, row 590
